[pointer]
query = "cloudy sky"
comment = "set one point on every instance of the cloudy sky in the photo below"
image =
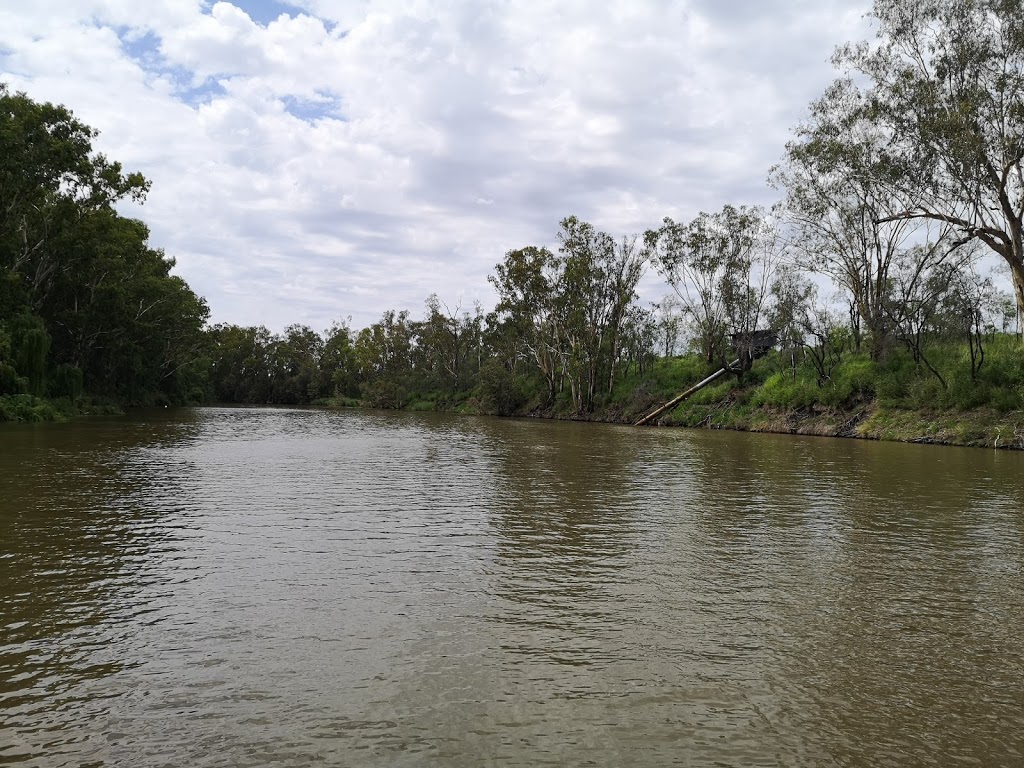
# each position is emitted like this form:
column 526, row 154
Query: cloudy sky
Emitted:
column 318, row 159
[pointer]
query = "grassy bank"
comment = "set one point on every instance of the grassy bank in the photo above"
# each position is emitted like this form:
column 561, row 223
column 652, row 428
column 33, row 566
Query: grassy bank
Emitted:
column 931, row 400
column 936, row 399
column 29, row 408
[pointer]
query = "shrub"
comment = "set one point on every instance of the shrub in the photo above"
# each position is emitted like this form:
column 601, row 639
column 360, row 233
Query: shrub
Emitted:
column 10, row 382
column 502, row 392
column 384, row 394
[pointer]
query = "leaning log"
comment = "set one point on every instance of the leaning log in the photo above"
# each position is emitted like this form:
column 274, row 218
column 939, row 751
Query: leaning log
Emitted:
column 691, row 391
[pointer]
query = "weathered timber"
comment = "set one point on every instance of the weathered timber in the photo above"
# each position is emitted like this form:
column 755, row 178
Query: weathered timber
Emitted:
column 750, row 345
column 691, row 391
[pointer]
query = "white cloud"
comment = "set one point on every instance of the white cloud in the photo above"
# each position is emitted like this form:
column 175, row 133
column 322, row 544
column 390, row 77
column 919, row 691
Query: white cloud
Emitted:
column 349, row 158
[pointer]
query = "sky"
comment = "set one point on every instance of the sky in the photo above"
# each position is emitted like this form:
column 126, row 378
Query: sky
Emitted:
column 317, row 160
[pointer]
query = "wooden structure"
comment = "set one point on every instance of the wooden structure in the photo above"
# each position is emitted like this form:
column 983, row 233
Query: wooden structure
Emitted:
column 752, row 345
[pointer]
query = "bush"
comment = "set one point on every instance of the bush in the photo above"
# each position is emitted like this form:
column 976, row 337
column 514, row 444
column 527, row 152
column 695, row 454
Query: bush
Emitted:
column 892, row 388
column 1006, row 400
column 781, row 390
column 10, row 382
column 29, row 408
column 862, row 375
column 384, row 394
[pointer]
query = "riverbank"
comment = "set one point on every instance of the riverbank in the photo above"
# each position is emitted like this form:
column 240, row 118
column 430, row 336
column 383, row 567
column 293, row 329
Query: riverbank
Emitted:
column 981, row 428
column 29, row 408
column 978, row 428
column 898, row 400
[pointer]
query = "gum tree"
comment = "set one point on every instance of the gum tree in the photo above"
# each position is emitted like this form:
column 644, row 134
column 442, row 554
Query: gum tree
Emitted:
column 944, row 85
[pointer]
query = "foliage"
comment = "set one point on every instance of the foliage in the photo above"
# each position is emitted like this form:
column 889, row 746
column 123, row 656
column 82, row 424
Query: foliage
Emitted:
column 944, row 86
column 86, row 306
column 902, row 173
column 721, row 267
column 502, row 392
column 572, row 312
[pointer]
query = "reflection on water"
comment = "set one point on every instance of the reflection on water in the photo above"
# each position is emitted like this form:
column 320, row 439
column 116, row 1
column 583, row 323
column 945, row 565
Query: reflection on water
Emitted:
column 82, row 555
column 248, row 587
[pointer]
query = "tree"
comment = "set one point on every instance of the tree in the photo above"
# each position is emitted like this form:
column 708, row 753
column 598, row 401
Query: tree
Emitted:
column 970, row 303
column 945, row 85
column 50, row 181
column 449, row 341
column 569, row 309
column 792, row 307
column 599, row 279
column 116, row 312
column 336, row 374
column 668, row 317
column 640, row 334
column 527, row 284
column 837, row 175
column 240, row 370
column 720, row 266
column 295, row 359
column 384, row 358
column 91, row 303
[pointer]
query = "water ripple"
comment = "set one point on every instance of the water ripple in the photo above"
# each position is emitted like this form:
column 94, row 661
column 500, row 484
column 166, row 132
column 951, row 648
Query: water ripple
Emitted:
column 253, row 587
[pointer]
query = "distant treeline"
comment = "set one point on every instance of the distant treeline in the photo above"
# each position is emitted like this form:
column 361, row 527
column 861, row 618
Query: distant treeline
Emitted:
column 905, row 174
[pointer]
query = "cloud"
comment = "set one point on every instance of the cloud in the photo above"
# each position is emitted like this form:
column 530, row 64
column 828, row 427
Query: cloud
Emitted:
column 317, row 159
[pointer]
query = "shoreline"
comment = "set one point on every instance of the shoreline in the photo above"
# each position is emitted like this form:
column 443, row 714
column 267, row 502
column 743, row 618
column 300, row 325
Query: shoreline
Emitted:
column 964, row 429
column 977, row 428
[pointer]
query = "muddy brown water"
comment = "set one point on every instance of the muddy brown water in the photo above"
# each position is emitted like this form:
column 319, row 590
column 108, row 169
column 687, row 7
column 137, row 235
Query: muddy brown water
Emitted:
column 261, row 587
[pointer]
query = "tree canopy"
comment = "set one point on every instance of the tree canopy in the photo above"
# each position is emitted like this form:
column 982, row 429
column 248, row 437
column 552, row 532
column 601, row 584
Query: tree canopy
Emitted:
column 942, row 87
column 85, row 302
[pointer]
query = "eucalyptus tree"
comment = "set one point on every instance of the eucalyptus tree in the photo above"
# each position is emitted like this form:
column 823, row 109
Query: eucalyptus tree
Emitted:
column 721, row 267
column 944, row 85
column 569, row 308
column 102, row 304
column 970, row 308
column 450, row 342
column 241, row 369
column 295, row 359
column 838, row 176
column 384, row 356
column 668, row 318
column 600, row 276
column 640, row 339
column 528, row 284
column 336, row 372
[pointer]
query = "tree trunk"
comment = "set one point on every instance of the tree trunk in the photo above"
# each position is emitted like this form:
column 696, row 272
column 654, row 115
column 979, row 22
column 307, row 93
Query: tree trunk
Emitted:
column 1017, row 272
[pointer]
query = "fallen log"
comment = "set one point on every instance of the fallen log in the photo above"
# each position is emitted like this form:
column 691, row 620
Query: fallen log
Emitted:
column 691, row 391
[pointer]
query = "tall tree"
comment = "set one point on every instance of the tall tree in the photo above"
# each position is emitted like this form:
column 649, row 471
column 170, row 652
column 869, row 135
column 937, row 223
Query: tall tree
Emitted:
column 945, row 84
column 102, row 304
column 527, row 284
column 569, row 308
column 838, row 175
column 50, row 181
column 599, row 280
column 720, row 266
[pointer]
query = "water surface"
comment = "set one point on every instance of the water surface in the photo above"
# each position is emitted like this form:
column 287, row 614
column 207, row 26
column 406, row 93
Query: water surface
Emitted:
column 250, row 587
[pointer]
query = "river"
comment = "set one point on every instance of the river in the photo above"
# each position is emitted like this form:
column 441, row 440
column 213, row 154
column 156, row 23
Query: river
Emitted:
column 272, row 587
